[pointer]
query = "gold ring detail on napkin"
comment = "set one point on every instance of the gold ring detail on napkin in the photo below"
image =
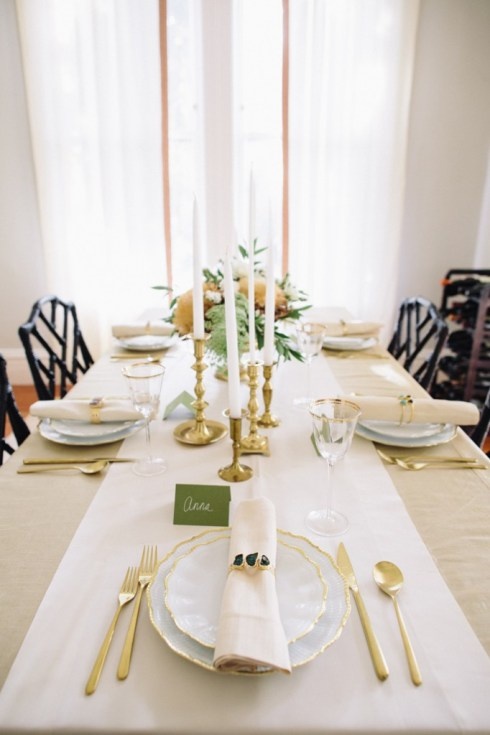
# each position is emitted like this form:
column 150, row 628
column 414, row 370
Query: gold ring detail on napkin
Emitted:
column 95, row 406
column 406, row 404
column 251, row 563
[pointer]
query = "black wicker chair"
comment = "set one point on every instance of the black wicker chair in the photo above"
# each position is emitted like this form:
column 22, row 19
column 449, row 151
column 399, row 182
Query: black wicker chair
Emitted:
column 480, row 432
column 55, row 348
column 418, row 339
column 10, row 411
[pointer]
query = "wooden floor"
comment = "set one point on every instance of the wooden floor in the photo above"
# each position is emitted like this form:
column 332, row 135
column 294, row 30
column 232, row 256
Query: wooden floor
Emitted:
column 25, row 395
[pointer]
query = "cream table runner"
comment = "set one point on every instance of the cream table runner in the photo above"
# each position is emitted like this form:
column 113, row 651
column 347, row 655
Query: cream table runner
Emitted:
column 337, row 692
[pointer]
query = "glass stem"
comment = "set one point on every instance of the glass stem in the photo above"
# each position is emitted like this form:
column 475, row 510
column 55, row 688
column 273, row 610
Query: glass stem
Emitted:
column 148, row 439
column 308, row 378
column 329, row 488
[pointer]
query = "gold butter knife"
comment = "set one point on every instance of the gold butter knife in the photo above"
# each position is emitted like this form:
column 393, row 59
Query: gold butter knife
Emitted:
column 72, row 460
column 377, row 656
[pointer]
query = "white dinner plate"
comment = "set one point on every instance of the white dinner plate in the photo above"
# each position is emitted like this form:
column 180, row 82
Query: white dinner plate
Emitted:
column 324, row 632
column 86, row 434
column 349, row 343
column 301, row 590
column 393, row 434
column 148, row 342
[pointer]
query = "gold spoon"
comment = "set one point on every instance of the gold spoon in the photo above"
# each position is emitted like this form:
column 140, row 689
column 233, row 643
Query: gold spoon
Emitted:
column 444, row 464
column 88, row 468
column 389, row 579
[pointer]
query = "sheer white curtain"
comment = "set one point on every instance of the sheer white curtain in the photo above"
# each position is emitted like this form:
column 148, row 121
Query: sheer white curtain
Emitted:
column 92, row 70
column 350, row 80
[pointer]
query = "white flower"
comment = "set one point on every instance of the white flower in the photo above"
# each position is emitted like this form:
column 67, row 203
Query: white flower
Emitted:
column 214, row 296
column 239, row 268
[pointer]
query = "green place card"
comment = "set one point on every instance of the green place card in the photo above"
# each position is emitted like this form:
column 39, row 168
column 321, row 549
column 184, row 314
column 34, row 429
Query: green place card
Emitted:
column 202, row 505
column 183, row 399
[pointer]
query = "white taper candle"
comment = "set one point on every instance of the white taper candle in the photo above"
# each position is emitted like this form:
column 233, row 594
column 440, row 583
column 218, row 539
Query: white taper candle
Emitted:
column 251, row 274
column 270, row 298
column 197, row 293
column 231, row 343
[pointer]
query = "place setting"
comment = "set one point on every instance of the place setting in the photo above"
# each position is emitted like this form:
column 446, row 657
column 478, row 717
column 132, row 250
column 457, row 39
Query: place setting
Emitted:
column 90, row 422
column 134, row 339
column 345, row 338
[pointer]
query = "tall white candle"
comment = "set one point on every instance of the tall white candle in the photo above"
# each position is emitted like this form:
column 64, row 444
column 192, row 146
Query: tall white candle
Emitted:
column 251, row 274
column 231, row 343
column 197, row 293
column 269, row 309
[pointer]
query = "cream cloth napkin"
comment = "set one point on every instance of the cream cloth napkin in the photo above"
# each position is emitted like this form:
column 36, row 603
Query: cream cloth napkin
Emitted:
column 102, row 409
column 352, row 328
column 137, row 329
column 420, row 411
column 250, row 632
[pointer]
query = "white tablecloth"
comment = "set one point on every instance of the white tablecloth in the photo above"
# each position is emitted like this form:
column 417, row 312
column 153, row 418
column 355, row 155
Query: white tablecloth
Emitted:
column 338, row 692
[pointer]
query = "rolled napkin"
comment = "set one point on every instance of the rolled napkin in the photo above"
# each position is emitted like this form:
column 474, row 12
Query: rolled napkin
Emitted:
column 405, row 409
column 352, row 328
column 250, row 632
column 95, row 411
column 136, row 329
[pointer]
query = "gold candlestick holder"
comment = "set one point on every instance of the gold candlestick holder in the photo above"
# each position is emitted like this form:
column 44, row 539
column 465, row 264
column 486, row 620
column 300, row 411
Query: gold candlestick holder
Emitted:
column 267, row 419
column 199, row 431
column 254, row 443
column 235, row 472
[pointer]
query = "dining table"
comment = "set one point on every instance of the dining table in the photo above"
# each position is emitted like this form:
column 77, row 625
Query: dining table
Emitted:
column 67, row 539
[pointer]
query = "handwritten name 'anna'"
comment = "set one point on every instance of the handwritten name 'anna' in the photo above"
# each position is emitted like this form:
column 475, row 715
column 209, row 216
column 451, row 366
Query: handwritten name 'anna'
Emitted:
column 194, row 505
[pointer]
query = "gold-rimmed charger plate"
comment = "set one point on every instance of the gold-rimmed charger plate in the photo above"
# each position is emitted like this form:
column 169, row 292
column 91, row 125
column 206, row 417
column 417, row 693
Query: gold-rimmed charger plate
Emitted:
column 322, row 635
column 301, row 590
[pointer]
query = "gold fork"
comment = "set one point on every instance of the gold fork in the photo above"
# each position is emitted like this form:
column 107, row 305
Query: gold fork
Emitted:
column 127, row 592
column 147, row 567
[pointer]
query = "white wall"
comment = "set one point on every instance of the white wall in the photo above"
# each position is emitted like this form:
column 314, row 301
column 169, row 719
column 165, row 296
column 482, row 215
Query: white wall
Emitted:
column 448, row 145
column 22, row 278
column 447, row 157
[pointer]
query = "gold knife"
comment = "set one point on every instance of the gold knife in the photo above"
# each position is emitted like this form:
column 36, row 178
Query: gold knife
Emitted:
column 71, row 460
column 377, row 656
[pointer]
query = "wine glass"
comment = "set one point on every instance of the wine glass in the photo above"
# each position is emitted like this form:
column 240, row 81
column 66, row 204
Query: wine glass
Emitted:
column 145, row 384
column 309, row 336
column 334, row 423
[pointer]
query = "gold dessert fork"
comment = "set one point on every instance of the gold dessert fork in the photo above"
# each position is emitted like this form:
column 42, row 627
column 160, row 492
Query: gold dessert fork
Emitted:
column 147, row 567
column 127, row 592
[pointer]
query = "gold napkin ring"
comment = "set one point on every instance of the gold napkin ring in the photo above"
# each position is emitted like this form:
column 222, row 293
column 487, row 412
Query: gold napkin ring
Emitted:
column 95, row 405
column 406, row 404
column 251, row 563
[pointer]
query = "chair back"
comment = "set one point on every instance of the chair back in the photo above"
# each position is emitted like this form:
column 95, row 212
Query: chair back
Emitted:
column 480, row 432
column 418, row 339
column 54, row 347
column 10, row 411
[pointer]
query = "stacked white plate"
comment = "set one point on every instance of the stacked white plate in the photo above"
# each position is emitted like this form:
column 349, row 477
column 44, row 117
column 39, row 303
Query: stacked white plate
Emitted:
column 185, row 594
column 84, row 433
column 407, row 434
column 349, row 343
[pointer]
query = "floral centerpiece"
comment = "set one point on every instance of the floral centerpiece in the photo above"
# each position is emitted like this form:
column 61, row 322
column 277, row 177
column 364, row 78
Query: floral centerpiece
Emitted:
column 288, row 309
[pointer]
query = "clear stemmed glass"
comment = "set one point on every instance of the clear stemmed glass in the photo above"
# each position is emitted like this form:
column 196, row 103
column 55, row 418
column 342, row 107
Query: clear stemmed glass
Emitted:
column 334, row 423
column 145, row 385
column 309, row 336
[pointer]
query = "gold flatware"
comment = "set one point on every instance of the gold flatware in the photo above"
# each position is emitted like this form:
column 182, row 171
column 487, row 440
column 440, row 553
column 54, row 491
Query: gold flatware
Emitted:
column 88, row 468
column 127, row 593
column 389, row 579
column 393, row 459
column 74, row 460
column 444, row 465
column 137, row 357
column 378, row 659
column 357, row 355
column 146, row 569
